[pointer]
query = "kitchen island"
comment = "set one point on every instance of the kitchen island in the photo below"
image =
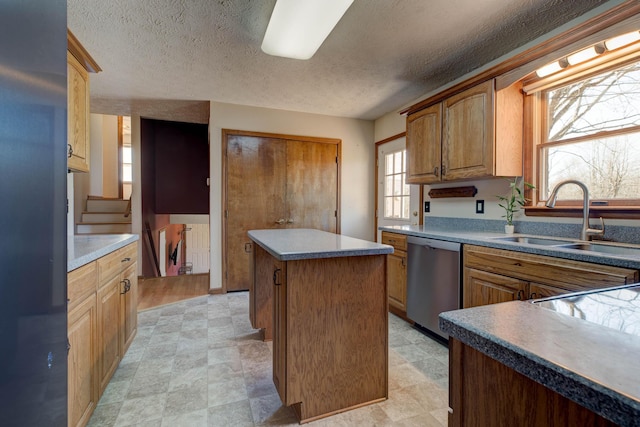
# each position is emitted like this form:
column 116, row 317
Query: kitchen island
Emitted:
column 328, row 299
column 569, row 360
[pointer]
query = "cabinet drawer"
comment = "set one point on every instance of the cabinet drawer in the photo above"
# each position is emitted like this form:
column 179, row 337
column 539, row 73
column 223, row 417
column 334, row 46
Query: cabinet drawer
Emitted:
column 81, row 282
column 398, row 241
column 113, row 263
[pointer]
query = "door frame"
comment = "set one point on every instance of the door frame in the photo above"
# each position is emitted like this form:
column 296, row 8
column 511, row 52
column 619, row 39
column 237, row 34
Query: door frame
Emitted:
column 375, row 181
column 234, row 132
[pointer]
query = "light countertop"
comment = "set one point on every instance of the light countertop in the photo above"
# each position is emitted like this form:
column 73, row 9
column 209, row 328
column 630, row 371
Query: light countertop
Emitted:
column 302, row 243
column 593, row 363
column 82, row 249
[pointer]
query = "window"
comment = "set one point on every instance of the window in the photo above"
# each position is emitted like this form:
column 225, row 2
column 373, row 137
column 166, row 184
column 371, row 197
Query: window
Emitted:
column 588, row 129
column 396, row 190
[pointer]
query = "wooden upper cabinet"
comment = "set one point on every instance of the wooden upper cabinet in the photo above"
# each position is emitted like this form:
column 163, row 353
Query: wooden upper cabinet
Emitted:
column 424, row 145
column 474, row 134
column 79, row 64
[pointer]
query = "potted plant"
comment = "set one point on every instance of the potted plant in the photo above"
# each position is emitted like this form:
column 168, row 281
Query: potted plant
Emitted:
column 512, row 202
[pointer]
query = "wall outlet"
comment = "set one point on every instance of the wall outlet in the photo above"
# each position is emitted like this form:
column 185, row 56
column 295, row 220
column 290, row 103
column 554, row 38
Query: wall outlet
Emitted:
column 479, row 206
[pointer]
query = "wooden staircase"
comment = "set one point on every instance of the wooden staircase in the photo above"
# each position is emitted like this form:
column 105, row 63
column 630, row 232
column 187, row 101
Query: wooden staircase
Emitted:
column 105, row 216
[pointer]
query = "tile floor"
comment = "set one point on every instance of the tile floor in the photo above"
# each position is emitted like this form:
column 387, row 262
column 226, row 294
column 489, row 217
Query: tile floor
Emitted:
column 199, row 363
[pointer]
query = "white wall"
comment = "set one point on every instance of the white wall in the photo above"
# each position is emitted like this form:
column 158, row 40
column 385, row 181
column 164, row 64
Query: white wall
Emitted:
column 357, row 192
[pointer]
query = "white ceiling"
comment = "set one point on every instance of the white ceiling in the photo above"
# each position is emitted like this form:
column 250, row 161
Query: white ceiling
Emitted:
column 383, row 54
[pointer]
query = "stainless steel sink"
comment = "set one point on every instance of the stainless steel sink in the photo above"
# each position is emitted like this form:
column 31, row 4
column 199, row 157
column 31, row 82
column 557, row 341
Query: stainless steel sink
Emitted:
column 531, row 240
column 605, row 248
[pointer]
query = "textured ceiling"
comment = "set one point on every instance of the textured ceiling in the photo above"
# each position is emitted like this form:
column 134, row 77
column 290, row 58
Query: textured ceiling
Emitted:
column 382, row 55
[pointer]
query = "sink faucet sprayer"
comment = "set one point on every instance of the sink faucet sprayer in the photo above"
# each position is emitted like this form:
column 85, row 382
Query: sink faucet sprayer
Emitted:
column 586, row 232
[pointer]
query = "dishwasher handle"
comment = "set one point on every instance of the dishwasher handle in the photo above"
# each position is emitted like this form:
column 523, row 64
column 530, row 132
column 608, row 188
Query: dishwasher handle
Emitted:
column 433, row 243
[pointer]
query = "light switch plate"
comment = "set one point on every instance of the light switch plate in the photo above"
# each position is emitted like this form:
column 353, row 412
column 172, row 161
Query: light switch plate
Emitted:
column 427, row 207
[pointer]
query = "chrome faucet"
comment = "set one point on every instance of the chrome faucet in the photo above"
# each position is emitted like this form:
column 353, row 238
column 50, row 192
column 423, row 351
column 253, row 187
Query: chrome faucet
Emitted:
column 586, row 232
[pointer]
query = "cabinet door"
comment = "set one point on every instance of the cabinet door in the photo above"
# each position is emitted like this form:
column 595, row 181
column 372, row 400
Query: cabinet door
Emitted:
column 82, row 372
column 537, row 290
column 280, row 329
column 77, row 115
column 482, row 288
column 312, row 186
column 397, row 279
column 108, row 329
column 129, row 307
column 424, row 130
column 468, row 134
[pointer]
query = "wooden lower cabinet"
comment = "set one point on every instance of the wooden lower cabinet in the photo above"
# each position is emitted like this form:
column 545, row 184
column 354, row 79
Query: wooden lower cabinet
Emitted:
column 330, row 334
column 481, row 288
column 494, row 275
column 397, row 272
column 83, row 391
column 102, row 322
column 485, row 392
column 108, row 330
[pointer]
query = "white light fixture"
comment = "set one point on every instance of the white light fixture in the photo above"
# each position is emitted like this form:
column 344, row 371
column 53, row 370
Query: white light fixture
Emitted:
column 549, row 69
column 297, row 28
column 584, row 55
column 623, row 40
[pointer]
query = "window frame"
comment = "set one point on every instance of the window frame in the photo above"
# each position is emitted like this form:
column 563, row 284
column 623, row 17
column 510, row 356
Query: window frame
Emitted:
column 535, row 117
column 404, row 198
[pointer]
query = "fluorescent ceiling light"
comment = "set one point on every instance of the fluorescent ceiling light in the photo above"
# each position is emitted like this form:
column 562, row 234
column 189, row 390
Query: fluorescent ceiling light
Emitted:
column 584, row 55
column 623, row 40
column 549, row 69
column 298, row 27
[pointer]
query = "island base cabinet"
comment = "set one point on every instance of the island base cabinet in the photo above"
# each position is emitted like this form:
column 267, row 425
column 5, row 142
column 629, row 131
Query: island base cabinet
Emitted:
column 261, row 292
column 330, row 334
column 129, row 306
column 483, row 392
column 108, row 330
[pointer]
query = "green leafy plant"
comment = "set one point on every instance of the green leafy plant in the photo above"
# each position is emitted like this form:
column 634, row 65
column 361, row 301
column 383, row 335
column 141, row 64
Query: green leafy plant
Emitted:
column 512, row 202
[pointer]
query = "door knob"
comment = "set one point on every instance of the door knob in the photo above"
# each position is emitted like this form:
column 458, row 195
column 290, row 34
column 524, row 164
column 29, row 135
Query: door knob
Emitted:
column 415, row 213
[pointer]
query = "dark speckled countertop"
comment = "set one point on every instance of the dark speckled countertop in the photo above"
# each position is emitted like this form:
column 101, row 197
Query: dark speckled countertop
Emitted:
column 595, row 365
column 488, row 239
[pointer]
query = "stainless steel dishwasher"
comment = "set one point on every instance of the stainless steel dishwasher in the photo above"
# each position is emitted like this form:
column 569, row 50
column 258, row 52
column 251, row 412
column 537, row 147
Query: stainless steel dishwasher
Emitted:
column 433, row 281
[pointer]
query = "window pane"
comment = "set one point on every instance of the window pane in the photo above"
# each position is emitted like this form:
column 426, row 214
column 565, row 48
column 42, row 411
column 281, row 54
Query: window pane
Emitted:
column 397, row 185
column 397, row 213
column 609, row 167
column 126, row 173
column 388, row 164
column 388, row 207
column 388, row 185
column 405, row 207
column 126, row 154
column 604, row 102
column 397, row 157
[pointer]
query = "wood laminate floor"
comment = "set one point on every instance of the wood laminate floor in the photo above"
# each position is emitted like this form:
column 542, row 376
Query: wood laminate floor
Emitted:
column 158, row 291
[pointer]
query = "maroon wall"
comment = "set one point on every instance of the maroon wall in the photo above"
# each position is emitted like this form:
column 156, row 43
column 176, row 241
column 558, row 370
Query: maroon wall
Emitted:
column 175, row 167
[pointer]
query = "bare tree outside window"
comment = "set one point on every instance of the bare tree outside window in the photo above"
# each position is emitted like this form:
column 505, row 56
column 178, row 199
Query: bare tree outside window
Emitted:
column 593, row 135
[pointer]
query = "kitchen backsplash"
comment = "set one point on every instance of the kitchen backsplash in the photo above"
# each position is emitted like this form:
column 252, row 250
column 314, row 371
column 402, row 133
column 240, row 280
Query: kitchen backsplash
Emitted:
column 616, row 233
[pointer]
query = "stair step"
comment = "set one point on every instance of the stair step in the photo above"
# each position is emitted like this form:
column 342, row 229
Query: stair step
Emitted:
column 105, row 217
column 106, row 205
column 103, row 228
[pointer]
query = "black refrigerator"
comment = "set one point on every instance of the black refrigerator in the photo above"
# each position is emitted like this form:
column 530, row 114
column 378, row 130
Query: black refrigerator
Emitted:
column 33, row 190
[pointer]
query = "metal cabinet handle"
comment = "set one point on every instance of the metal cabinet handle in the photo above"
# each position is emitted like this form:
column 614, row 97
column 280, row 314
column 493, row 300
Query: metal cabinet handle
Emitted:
column 520, row 295
column 404, row 261
column 290, row 221
column 127, row 259
column 444, row 170
column 69, row 151
column 248, row 247
column 435, row 171
column 275, row 277
column 533, row 295
column 281, row 221
column 127, row 286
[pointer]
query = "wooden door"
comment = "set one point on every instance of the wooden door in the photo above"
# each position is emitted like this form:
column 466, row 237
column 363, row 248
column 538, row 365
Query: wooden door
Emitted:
column 482, row 288
column 311, row 186
column 275, row 182
column 468, row 133
column 424, row 145
column 256, row 179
